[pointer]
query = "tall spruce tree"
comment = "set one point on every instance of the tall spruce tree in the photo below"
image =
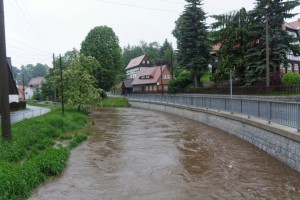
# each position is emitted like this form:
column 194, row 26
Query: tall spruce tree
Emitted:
column 192, row 39
column 280, row 42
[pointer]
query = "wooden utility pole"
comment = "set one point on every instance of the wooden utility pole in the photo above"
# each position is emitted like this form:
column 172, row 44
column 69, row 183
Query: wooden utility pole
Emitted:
column 54, row 76
column 23, row 88
column 61, row 86
column 4, row 100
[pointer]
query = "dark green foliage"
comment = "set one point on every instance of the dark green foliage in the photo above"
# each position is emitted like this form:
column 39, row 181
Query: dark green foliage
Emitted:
column 103, row 44
column 192, row 40
column 231, row 31
column 182, row 81
column 130, row 52
column 290, row 79
column 279, row 40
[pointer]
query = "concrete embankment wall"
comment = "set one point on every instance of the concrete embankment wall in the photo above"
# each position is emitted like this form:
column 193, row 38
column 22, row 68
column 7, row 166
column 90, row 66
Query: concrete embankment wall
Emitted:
column 279, row 141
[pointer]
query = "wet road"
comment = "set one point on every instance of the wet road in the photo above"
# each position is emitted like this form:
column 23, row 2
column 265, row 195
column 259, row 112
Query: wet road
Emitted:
column 143, row 155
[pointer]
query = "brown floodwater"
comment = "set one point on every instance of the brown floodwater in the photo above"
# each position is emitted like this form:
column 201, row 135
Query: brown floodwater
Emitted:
column 143, row 155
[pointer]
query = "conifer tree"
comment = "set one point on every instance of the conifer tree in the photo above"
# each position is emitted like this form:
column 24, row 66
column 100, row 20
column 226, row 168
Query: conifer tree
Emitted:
column 192, row 39
column 280, row 42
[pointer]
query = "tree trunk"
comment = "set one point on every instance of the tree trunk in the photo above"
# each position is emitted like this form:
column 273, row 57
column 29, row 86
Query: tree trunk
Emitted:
column 195, row 80
column 78, row 109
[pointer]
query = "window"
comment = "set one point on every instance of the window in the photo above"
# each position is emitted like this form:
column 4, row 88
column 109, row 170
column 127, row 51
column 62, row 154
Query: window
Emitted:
column 150, row 87
column 154, row 87
column 216, row 59
column 290, row 67
column 147, row 88
column 143, row 62
column 164, row 76
column 148, row 62
column 296, row 67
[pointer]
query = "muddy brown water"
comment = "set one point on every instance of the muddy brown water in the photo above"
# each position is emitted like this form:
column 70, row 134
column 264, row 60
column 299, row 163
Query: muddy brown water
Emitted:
column 139, row 154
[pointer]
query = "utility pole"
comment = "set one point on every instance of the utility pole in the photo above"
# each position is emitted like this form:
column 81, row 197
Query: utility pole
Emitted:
column 23, row 88
column 4, row 100
column 61, row 87
column 267, row 52
column 54, row 76
column 161, row 79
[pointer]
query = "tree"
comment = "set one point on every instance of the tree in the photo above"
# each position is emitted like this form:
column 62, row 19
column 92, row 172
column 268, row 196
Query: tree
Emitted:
column 192, row 40
column 80, row 83
column 103, row 44
column 31, row 71
column 231, row 32
column 167, row 55
column 280, row 42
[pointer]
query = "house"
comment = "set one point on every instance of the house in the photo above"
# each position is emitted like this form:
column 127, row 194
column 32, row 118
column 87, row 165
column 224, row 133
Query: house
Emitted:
column 135, row 65
column 293, row 29
column 152, row 80
column 29, row 92
column 13, row 91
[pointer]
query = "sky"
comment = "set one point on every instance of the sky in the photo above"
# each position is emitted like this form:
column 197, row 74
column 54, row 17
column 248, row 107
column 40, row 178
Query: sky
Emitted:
column 35, row 29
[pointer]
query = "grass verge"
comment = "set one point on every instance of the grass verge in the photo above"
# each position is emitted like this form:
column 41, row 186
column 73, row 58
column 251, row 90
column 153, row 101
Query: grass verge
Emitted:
column 115, row 102
column 32, row 156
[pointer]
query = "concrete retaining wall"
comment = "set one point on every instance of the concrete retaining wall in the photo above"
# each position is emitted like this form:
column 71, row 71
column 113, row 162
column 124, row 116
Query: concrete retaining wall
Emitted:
column 279, row 141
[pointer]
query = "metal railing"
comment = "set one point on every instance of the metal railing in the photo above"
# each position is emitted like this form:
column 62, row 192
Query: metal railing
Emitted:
column 287, row 114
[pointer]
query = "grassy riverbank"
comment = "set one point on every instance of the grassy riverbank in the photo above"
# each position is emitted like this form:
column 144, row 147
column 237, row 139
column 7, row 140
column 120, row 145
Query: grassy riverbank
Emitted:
column 35, row 153
column 115, row 102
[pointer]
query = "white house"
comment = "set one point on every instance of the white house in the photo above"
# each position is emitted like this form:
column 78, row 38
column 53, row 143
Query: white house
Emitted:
column 29, row 93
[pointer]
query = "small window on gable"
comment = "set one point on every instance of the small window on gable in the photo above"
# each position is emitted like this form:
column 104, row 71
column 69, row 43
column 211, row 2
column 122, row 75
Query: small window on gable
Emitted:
column 148, row 62
column 143, row 62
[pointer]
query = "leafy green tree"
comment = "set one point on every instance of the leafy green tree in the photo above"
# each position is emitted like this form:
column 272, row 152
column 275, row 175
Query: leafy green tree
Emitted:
column 79, row 82
column 103, row 44
column 231, row 31
column 276, row 11
column 167, row 55
column 192, row 40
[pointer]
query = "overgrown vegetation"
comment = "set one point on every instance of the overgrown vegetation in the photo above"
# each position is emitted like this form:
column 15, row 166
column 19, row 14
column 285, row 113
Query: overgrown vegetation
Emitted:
column 32, row 156
column 115, row 102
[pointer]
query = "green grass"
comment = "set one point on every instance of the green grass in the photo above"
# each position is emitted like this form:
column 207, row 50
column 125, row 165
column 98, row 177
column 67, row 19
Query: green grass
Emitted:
column 115, row 102
column 31, row 158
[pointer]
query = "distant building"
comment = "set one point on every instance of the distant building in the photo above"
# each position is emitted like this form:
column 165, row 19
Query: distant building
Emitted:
column 152, row 80
column 135, row 65
column 33, row 85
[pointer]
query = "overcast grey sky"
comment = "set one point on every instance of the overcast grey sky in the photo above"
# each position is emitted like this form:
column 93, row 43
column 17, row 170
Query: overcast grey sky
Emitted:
column 37, row 28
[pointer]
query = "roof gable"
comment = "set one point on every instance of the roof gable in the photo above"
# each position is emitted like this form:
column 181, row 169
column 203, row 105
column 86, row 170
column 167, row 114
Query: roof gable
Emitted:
column 36, row 81
column 153, row 73
column 136, row 61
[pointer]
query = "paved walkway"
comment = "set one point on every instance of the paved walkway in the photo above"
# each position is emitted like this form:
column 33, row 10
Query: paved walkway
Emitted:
column 30, row 112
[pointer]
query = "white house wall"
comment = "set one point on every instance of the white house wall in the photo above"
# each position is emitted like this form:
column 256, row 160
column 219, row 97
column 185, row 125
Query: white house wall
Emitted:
column 13, row 98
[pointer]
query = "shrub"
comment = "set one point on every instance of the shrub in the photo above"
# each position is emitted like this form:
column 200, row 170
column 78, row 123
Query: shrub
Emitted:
column 182, row 81
column 290, row 79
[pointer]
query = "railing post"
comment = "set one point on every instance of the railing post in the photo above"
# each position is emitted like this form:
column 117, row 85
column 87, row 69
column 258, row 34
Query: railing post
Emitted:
column 248, row 109
column 270, row 112
column 298, row 117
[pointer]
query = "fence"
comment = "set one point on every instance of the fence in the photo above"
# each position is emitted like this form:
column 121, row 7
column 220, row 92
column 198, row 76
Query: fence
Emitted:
column 283, row 113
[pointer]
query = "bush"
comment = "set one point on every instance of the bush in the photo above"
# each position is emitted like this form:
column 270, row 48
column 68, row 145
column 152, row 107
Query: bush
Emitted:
column 290, row 79
column 182, row 81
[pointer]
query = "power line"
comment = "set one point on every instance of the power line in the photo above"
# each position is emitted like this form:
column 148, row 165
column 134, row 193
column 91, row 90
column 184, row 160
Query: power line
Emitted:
column 27, row 21
column 137, row 6
column 25, row 44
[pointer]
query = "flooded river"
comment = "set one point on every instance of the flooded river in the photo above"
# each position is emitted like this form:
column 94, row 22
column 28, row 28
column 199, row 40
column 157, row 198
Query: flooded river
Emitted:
column 148, row 155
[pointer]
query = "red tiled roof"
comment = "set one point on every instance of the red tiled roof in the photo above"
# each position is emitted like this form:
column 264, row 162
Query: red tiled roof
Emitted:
column 292, row 25
column 135, row 62
column 154, row 72
column 36, row 81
